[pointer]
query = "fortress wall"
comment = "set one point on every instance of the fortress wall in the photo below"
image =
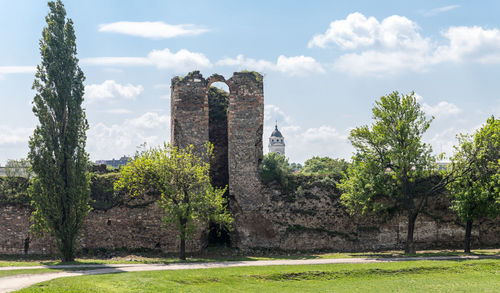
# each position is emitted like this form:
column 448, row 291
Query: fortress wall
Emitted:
column 189, row 111
column 313, row 218
column 245, row 126
column 117, row 228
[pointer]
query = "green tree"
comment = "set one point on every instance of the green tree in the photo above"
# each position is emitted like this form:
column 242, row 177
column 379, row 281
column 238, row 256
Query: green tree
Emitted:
column 275, row 167
column 392, row 166
column 181, row 180
column 14, row 185
column 476, row 193
column 60, row 189
column 18, row 168
column 325, row 166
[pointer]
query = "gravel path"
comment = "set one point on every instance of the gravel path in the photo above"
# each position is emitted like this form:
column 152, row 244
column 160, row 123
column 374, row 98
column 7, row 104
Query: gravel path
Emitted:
column 17, row 282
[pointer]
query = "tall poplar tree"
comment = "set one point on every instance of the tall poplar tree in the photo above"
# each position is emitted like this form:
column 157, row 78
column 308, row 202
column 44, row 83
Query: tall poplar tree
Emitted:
column 60, row 190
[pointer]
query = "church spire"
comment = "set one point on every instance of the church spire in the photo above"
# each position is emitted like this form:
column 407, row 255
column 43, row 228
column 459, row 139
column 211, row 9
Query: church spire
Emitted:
column 277, row 141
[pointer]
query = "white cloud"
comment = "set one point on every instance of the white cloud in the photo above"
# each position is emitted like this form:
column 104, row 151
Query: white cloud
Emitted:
column 150, row 120
column 17, row 69
column 108, row 141
column 152, row 29
column 117, row 111
column 5, row 70
column 358, row 31
column 295, row 65
column 298, row 65
column 272, row 111
column 241, row 61
column 13, row 135
column 181, row 61
column 442, row 141
column 395, row 45
column 439, row 10
column 350, row 33
column 470, row 44
column 323, row 133
column 111, row 90
column 442, row 108
column 378, row 62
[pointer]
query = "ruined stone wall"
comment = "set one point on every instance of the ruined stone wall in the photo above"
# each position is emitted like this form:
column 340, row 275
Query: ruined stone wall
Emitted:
column 245, row 126
column 313, row 218
column 310, row 218
column 117, row 228
column 189, row 111
column 245, row 121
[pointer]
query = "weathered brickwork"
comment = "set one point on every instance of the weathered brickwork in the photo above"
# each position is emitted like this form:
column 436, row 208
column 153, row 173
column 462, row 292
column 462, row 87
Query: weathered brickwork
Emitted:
column 314, row 218
column 245, row 121
column 116, row 228
column 189, row 111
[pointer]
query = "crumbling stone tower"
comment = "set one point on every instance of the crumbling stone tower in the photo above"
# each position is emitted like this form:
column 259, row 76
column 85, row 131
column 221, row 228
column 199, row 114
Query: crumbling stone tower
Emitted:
column 191, row 124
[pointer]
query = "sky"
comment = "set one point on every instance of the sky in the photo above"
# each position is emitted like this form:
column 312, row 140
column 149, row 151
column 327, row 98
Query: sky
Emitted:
column 325, row 63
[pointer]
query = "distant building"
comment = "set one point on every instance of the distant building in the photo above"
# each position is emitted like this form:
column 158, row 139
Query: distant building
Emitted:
column 2, row 172
column 277, row 142
column 114, row 163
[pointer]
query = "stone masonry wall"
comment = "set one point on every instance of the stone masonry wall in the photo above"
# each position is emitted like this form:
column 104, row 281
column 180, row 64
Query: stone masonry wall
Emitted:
column 189, row 111
column 245, row 121
column 313, row 218
column 245, row 126
column 117, row 228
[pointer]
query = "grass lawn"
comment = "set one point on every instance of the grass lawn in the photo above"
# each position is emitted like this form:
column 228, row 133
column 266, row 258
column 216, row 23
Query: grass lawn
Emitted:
column 38, row 271
column 418, row 276
column 29, row 260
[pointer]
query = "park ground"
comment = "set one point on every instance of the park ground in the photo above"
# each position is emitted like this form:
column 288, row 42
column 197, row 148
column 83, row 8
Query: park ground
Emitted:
column 429, row 271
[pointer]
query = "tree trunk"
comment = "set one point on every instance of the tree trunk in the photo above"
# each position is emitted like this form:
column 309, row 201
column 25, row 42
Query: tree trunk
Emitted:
column 468, row 230
column 68, row 250
column 410, row 245
column 182, row 254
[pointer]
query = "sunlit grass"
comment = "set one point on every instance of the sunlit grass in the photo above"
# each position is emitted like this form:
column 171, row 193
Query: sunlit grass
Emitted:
column 416, row 276
column 8, row 260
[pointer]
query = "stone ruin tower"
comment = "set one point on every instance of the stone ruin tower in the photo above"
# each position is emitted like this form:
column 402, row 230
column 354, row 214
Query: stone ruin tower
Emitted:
column 233, row 122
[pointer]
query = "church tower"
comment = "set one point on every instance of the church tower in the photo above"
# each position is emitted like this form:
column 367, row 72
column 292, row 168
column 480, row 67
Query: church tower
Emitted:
column 277, row 142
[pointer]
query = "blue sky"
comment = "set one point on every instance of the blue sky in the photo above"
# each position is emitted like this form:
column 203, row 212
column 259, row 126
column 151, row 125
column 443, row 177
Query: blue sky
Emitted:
column 324, row 66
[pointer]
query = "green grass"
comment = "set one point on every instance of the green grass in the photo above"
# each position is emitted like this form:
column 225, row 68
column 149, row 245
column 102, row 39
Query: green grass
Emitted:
column 29, row 260
column 38, row 271
column 418, row 276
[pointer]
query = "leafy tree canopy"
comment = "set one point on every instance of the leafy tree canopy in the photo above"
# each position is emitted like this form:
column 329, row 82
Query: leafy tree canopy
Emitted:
column 275, row 167
column 391, row 165
column 180, row 178
column 476, row 192
column 325, row 166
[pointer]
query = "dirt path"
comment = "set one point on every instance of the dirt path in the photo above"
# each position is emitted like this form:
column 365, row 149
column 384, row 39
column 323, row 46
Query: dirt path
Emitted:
column 17, row 282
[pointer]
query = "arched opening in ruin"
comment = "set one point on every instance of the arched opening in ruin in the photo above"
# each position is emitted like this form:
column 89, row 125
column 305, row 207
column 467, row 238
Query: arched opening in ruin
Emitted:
column 218, row 105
